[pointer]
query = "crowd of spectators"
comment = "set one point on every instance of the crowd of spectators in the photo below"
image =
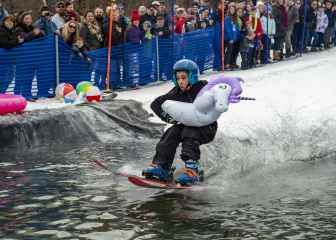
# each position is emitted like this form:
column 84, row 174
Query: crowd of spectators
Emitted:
column 259, row 32
column 284, row 28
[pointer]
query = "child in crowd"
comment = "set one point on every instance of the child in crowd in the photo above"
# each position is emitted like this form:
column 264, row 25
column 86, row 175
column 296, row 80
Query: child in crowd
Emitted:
column 247, row 49
column 161, row 29
column 147, row 30
column 321, row 26
column 268, row 25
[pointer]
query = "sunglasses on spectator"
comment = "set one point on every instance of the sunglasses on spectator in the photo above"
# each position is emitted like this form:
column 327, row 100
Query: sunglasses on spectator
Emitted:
column 72, row 26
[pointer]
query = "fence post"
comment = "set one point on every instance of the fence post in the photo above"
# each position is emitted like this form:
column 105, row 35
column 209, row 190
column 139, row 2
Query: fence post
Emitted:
column 157, row 58
column 57, row 60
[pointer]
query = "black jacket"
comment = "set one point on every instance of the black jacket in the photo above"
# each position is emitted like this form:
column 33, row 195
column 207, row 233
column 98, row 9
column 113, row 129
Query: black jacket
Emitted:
column 8, row 38
column 165, row 30
column 117, row 37
column 176, row 94
column 27, row 33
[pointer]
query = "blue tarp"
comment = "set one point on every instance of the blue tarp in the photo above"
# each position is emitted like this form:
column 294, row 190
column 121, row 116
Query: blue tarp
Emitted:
column 30, row 70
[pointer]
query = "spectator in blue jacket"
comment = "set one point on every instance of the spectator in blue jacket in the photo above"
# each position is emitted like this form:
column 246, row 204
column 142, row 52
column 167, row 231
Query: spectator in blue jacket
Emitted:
column 59, row 17
column 230, row 33
column 44, row 22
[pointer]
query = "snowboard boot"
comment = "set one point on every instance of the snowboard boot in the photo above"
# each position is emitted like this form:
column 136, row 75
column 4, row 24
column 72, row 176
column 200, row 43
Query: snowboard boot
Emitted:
column 190, row 174
column 156, row 172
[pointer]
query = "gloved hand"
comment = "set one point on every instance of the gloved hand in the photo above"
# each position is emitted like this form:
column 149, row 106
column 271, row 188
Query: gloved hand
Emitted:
column 171, row 120
column 168, row 118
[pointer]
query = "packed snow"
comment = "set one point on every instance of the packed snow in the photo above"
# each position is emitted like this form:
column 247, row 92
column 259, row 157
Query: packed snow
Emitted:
column 302, row 88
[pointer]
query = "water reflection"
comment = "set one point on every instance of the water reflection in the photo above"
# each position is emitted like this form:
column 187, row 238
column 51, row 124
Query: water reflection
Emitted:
column 60, row 194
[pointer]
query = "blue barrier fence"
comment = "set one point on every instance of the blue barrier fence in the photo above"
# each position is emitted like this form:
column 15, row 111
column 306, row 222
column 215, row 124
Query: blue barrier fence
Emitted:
column 29, row 70
column 33, row 69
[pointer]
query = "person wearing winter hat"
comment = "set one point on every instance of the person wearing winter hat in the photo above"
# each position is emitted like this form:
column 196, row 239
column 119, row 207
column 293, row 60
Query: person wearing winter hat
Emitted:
column 156, row 4
column 59, row 17
column 26, row 29
column 134, row 33
column 71, row 14
column 44, row 22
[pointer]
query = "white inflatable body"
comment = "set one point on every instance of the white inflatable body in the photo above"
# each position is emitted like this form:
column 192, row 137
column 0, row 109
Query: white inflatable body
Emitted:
column 205, row 110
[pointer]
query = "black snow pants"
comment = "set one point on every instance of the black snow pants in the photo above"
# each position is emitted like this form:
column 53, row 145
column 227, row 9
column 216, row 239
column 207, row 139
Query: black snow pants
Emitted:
column 191, row 139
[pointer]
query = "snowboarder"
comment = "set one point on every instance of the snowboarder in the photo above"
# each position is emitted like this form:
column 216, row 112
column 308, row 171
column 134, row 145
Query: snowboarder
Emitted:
column 187, row 86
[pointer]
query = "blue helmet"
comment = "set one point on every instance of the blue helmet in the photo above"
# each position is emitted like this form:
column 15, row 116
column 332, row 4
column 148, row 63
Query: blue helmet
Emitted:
column 190, row 67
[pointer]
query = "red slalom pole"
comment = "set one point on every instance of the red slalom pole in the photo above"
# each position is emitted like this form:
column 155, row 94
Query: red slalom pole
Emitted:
column 108, row 68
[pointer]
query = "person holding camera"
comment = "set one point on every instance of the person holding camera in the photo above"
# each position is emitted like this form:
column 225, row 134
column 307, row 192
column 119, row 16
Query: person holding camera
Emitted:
column 44, row 22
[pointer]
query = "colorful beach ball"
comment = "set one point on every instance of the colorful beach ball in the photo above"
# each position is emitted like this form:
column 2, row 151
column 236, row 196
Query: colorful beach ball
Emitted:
column 70, row 97
column 93, row 94
column 63, row 89
column 82, row 87
column 59, row 90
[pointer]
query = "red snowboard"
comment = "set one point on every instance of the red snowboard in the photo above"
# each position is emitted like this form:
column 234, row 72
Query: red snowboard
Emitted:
column 149, row 183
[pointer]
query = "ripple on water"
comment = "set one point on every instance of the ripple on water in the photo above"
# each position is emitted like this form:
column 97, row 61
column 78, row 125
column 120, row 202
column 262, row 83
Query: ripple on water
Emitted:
column 146, row 237
column 99, row 199
column 44, row 198
column 58, row 234
column 71, row 199
column 26, row 206
column 7, row 164
column 104, row 216
column 55, row 204
column 115, row 235
column 16, row 171
column 88, row 226
column 60, row 222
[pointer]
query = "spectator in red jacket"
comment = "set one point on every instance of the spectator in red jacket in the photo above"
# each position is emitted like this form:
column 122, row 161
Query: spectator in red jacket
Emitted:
column 180, row 20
